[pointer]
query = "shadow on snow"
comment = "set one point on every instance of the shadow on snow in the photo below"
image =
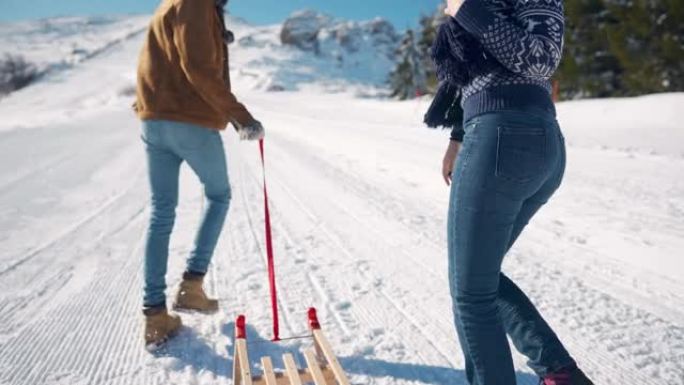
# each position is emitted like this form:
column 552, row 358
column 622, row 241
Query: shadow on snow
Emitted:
column 191, row 350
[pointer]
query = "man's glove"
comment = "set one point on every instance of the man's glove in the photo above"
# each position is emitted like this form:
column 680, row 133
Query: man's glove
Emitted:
column 250, row 131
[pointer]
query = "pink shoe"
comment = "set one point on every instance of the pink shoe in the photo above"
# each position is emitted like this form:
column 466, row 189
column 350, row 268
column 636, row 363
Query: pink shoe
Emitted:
column 566, row 377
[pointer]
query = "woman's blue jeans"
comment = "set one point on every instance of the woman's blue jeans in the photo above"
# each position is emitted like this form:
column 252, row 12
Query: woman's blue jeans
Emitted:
column 510, row 164
column 168, row 144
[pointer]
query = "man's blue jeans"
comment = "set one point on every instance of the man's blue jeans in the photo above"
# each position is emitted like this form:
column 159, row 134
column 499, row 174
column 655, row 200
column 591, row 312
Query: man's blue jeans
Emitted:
column 509, row 165
column 168, row 144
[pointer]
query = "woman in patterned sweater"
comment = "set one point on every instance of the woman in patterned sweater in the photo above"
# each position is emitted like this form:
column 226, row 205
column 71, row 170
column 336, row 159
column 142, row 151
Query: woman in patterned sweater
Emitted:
column 507, row 159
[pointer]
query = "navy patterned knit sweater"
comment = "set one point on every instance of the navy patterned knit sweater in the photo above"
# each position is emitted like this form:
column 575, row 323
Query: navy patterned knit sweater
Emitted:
column 525, row 37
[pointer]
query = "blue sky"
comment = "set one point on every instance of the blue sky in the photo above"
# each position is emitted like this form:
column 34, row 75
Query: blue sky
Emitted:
column 402, row 13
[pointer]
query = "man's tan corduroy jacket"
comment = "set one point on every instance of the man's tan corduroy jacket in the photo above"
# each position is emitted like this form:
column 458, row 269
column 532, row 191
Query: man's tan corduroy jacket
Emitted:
column 183, row 69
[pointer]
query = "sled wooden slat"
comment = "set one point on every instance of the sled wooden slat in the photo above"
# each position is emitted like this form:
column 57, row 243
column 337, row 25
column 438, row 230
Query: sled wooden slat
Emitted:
column 242, row 370
column 324, row 347
column 269, row 376
column 314, row 369
column 323, row 368
column 291, row 369
column 304, row 375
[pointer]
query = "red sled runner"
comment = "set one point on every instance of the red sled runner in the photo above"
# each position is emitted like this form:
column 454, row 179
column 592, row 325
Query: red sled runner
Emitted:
column 323, row 367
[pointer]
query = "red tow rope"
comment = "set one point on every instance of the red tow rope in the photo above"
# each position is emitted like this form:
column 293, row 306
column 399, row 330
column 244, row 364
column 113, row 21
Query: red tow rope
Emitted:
column 269, row 250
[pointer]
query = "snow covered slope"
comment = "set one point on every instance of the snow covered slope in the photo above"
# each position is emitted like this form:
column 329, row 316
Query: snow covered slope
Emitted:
column 65, row 41
column 359, row 214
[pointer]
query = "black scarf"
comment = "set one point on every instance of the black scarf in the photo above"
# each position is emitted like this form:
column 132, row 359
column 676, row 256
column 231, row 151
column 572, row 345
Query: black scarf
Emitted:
column 458, row 58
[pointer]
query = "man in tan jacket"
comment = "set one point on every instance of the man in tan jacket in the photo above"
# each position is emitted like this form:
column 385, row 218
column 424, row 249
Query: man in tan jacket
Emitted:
column 184, row 99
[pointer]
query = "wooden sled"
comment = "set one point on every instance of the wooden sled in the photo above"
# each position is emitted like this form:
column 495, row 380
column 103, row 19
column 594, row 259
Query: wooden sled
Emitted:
column 323, row 366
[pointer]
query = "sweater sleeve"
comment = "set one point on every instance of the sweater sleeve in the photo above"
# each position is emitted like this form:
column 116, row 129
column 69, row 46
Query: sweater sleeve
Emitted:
column 457, row 134
column 530, row 45
column 202, row 65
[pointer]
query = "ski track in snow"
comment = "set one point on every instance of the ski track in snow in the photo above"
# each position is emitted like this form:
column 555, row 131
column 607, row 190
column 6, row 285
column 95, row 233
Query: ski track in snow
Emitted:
column 359, row 232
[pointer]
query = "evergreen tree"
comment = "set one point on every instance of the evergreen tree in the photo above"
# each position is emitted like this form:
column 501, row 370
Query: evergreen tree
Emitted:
column 429, row 25
column 414, row 59
column 648, row 42
column 622, row 48
column 612, row 48
column 408, row 79
column 588, row 68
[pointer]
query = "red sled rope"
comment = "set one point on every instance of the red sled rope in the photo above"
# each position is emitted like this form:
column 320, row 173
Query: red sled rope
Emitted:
column 269, row 250
column 323, row 365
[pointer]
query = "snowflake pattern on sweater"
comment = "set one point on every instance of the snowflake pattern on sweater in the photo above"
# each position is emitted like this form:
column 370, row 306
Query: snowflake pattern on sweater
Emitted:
column 524, row 36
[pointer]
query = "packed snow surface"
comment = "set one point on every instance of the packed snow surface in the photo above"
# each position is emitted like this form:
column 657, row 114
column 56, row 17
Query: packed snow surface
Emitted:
column 359, row 211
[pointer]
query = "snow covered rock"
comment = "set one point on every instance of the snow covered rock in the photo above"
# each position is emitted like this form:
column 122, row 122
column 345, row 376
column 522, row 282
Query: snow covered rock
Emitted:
column 320, row 33
column 314, row 50
column 302, row 28
column 352, row 36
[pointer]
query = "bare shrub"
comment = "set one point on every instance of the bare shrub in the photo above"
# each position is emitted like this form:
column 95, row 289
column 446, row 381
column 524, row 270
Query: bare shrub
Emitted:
column 15, row 73
column 127, row 90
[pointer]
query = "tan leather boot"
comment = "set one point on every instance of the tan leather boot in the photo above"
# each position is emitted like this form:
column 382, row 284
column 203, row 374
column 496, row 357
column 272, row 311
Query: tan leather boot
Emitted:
column 191, row 296
column 160, row 326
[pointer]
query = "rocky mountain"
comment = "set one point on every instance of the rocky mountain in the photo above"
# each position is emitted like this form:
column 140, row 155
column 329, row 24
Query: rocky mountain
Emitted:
column 323, row 35
column 318, row 48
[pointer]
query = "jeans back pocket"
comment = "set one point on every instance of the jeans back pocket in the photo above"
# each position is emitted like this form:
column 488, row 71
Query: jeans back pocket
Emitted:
column 520, row 153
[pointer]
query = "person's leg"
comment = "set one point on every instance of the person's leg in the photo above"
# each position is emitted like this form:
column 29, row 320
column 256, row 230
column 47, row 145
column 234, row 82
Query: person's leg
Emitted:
column 459, row 171
column 501, row 167
column 528, row 330
column 530, row 333
column 163, row 170
column 203, row 150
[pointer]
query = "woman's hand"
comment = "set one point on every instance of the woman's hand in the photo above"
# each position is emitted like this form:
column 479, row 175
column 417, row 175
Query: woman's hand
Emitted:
column 452, row 7
column 449, row 159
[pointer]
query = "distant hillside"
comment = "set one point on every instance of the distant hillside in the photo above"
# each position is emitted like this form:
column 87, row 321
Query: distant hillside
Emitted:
column 309, row 50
